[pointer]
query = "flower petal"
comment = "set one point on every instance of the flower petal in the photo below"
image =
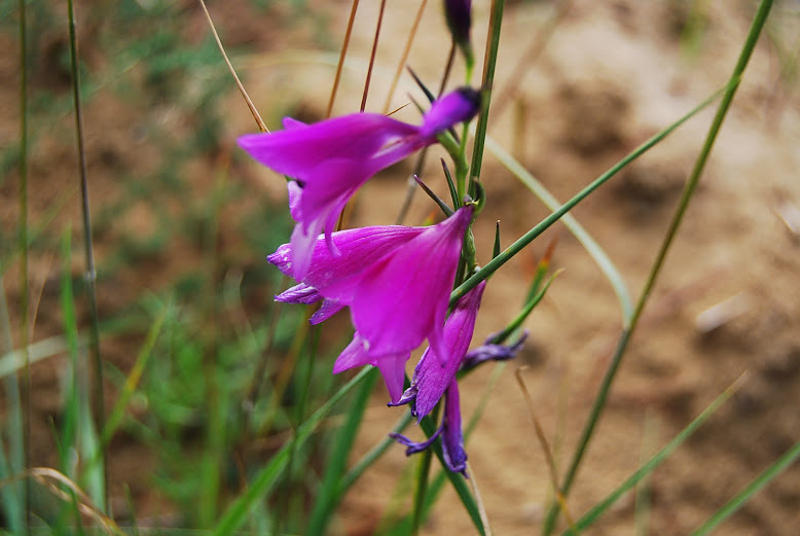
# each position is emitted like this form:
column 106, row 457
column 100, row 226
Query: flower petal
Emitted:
column 455, row 457
column 434, row 374
column 397, row 304
column 325, row 311
column 300, row 148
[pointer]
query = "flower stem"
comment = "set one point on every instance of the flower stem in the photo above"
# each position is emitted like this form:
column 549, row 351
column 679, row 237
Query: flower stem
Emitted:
column 489, row 64
column 686, row 196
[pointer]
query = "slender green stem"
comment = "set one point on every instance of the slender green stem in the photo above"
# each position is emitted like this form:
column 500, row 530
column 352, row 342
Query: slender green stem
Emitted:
column 754, row 487
column 489, row 64
column 91, row 276
column 23, row 248
column 420, row 491
column 542, row 226
column 686, row 196
column 600, row 508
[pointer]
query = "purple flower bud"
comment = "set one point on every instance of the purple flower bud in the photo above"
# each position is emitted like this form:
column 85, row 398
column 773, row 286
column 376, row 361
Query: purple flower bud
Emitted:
column 491, row 351
column 456, row 107
column 459, row 19
column 331, row 159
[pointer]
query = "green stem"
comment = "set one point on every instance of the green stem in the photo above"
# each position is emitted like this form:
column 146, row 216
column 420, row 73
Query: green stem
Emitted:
column 542, row 226
column 686, row 196
column 98, row 407
column 489, row 64
column 23, row 245
column 421, row 489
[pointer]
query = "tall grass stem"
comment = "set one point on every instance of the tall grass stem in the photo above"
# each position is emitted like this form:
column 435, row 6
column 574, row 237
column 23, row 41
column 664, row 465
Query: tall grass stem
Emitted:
column 489, row 64
column 98, row 404
column 23, row 250
column 686, row 196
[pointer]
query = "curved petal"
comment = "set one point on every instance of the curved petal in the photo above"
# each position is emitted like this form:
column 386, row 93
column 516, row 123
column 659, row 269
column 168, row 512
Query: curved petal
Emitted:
column 300, row 148
column 435, row 372
column 397, row 305
column 337, row 276
column 455, row 457
column 354, row 355
column 325, row 311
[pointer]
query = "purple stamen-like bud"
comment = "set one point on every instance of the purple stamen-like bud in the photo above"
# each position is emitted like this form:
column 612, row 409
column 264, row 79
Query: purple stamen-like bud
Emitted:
column 492, row 352
column 456, row 107
column 459, row 19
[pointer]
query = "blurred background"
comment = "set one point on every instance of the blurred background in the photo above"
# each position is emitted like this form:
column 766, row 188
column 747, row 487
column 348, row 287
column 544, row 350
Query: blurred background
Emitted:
column 182, row 221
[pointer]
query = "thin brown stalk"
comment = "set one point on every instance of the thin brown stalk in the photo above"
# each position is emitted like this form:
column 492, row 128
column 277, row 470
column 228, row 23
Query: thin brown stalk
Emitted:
column 260, row 122
column 479, row 501
column 372, row 55
column 404, row 57
column 548, row 454
column 342, row 55
column 98, row 404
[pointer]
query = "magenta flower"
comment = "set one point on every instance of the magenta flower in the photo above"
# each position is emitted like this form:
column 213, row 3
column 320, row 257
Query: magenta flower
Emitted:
column 331, row 159
column 396, row 281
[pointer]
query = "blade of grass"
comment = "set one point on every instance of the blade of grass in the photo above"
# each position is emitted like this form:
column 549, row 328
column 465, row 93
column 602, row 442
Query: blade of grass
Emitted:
column 602, row 507
column 132, row 381
column 98, row 408
column 686, row 196
column 593, row 248
column 267, row 477
column 539, row 228
column 14, row 495
column 331, row 492
column 747, row 493
column 25, row 396
column 252, row 107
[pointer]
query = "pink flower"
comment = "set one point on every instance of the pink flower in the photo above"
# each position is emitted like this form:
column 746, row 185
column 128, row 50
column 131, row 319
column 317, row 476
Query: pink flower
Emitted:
column 396, row 281
column 331, row 159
